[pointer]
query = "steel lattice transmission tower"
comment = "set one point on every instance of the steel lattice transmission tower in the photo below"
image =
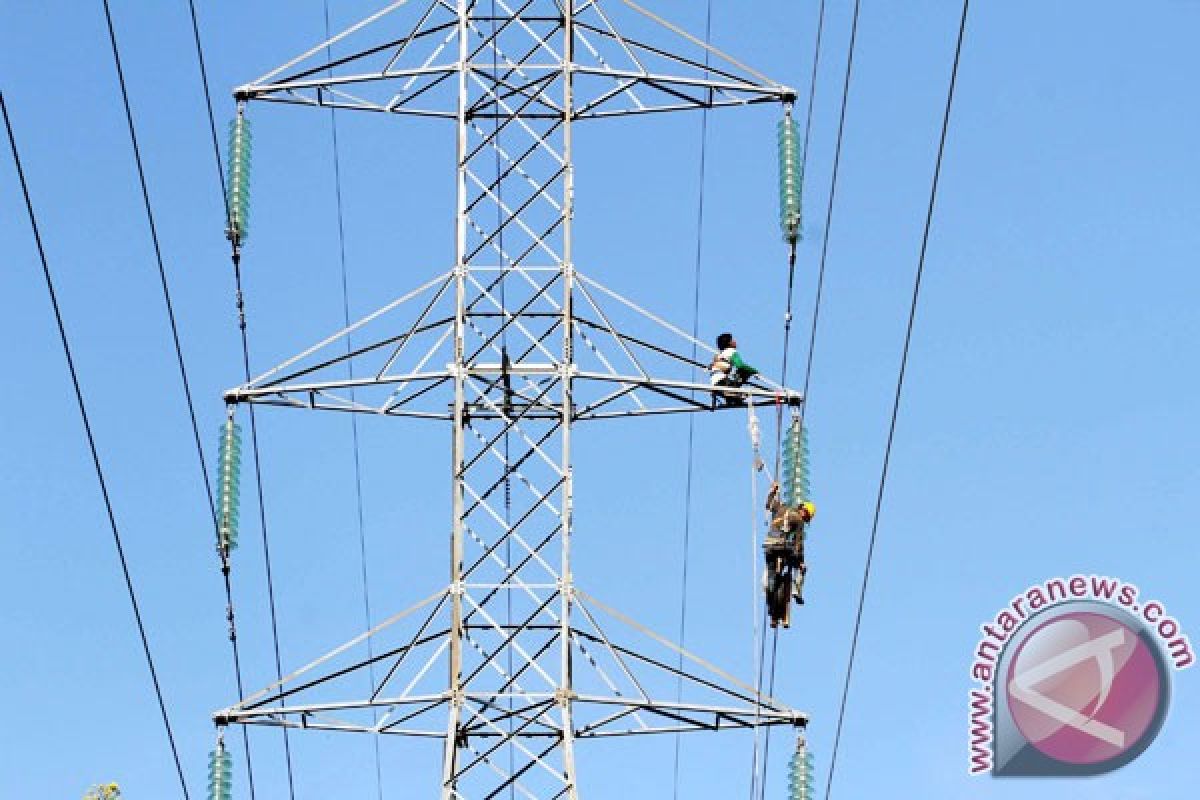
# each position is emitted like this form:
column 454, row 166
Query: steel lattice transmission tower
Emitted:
column 511, row 664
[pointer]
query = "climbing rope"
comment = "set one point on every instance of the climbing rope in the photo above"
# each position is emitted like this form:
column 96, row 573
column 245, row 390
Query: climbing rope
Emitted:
column 758, row 609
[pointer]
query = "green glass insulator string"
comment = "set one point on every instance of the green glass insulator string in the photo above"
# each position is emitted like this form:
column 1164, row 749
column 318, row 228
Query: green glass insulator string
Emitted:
column 794, row 477
column 801, row 782
column 220, row 773
column 238, row 183
column 229, row 471
column 791, row 175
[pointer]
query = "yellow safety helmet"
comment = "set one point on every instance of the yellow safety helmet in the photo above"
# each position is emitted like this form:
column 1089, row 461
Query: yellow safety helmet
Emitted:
column 809, row 509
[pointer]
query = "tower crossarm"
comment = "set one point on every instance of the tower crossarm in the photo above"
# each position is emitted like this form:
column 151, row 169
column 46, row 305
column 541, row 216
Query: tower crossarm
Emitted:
column 387, row 63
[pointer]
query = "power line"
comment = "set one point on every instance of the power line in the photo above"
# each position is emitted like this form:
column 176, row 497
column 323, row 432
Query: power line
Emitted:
column 833, row 184
column 212, row 122
column 262, row 514
column 812, row 93
column 887, row 453
column 691, row 434
column 787, row 331
column 358, row 493
column 225, row 565
column 162, row 273
column 87, row 427
column 112, row 35
column 262, row 520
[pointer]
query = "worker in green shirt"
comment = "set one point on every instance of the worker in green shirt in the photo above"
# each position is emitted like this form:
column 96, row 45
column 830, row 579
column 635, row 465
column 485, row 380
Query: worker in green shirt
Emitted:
column 728, row 369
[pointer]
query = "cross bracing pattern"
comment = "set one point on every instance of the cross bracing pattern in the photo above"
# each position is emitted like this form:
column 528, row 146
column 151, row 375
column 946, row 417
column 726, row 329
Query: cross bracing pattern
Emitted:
column 404, row 61
column 511, row 663
column 627, row 360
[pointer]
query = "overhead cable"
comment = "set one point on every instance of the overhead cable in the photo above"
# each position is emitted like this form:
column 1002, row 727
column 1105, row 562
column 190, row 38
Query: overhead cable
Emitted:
column 691, row 434
column 761, row 783
column 241, row 311
column 162, row 273
column 887, row 453
column 358, row 492
column 833, row 185
column 91, row 439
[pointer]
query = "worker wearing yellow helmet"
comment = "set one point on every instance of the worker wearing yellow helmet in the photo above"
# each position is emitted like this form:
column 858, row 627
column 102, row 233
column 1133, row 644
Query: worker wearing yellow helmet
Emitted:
column 788, row 519
column 806, row 510
column 789, row 522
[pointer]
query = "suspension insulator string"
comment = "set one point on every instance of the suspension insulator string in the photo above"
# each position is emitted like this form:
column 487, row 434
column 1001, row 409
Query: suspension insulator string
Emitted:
column 237, row 201
column 791, row 175
column 801, row 784
column 791, row 179
column 220, row 771
column 237, row 198
column 229, row 471
column 793, row 479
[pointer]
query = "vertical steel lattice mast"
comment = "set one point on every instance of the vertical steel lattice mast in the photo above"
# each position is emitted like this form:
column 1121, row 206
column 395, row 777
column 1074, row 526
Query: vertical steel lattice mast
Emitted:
column 510, row 664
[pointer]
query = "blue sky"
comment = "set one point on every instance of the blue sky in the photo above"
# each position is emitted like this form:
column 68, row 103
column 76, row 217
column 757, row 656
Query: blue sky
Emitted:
column 1047, row 428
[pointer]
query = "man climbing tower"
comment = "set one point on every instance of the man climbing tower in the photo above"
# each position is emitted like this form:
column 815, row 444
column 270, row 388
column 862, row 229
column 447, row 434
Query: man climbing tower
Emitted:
column 728, row 369
column 783, row 549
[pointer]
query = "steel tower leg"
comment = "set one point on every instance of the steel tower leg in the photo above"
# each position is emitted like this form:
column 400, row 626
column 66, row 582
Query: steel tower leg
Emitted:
column 505, row 198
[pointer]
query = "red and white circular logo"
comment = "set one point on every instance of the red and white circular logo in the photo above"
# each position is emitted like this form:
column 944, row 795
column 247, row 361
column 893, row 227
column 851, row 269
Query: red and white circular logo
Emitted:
column 1084, row 688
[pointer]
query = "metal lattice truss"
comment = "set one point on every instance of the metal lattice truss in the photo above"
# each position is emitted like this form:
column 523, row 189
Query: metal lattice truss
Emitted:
column 628, row 361
column 619, row 689
column 513, row 345
column 399, row 66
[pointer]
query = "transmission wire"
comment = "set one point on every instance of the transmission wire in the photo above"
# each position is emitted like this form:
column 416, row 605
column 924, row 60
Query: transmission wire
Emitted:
column 262, row 512
column 833, row 184
column 91, row 439
column 787, row 331
column 691, row 434
column 226, row 567
column 162, row 273
column 887, row 453
column 812, row 93
column 241, row 311
column 179, row 353
column 358, row 493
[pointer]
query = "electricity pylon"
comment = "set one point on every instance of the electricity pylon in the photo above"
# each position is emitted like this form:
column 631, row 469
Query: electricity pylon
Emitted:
column 509, row 664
